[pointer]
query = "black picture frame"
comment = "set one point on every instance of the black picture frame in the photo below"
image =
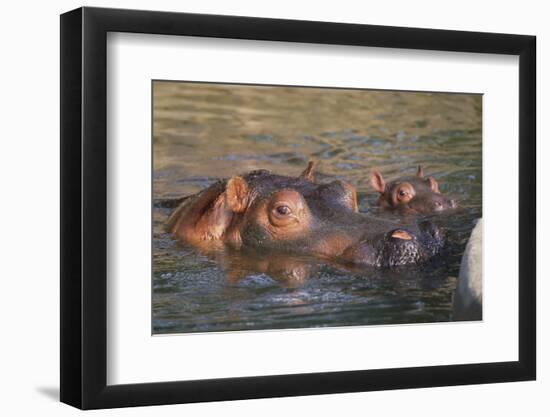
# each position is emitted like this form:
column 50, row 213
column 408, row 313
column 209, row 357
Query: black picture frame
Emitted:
column 84, row 207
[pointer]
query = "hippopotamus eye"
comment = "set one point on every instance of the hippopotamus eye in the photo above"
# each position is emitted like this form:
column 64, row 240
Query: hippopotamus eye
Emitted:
column 283, row 210
column 402, row 194
column 287, row 208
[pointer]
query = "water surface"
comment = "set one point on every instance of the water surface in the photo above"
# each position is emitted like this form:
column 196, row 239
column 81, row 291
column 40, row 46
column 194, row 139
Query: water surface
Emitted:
column 204, row 132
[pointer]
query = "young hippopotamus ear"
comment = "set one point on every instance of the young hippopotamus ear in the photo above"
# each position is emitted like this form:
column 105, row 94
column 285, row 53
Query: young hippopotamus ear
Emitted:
column 431, row 180
column 433, row 185
column 411, row 194
column 377, row 181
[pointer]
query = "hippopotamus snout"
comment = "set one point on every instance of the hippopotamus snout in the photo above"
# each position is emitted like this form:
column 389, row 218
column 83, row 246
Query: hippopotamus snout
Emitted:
column 398, row 246
column 402, row 247
column 440, row 203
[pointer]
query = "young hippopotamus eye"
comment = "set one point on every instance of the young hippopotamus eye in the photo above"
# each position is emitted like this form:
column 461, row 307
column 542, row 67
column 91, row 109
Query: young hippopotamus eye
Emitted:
column 412, row 194
column 404, row 193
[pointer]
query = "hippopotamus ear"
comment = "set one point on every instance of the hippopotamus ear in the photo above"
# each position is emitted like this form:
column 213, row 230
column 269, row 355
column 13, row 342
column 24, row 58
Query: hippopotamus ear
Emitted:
column 420, row 171
column 433, row 185
column 377, row 181
column 308, row 173
column 201, row 216
column 237, row 194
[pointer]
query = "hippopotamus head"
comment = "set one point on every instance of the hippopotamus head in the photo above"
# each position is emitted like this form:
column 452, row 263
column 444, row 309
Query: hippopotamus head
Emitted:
column 411, row 194
column 285, row 214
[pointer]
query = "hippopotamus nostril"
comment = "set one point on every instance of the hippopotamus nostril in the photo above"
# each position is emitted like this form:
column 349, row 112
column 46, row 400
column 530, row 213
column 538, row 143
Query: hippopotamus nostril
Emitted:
column 401, row 234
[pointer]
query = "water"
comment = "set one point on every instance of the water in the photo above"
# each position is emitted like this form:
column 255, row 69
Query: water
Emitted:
column 204, row 132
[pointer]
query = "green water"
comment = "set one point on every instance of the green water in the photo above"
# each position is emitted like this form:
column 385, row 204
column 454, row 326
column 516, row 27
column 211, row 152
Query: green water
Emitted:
column 204, row 132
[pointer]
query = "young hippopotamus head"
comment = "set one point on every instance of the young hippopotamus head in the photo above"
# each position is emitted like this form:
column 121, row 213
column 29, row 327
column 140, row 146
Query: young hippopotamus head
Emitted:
column 295, row 215
column 411, row 194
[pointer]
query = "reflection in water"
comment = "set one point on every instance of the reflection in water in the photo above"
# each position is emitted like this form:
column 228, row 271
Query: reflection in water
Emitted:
column 204, row 132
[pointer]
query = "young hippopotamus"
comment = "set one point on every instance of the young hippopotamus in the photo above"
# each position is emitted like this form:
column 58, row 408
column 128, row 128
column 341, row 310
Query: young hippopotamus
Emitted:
column 282, row 214
column 411, row 195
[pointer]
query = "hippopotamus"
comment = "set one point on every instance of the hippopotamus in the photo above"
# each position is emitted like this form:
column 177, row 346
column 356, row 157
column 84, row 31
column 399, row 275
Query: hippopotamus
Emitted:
column 297, row 215
column 411, row 195
column 468, row 296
